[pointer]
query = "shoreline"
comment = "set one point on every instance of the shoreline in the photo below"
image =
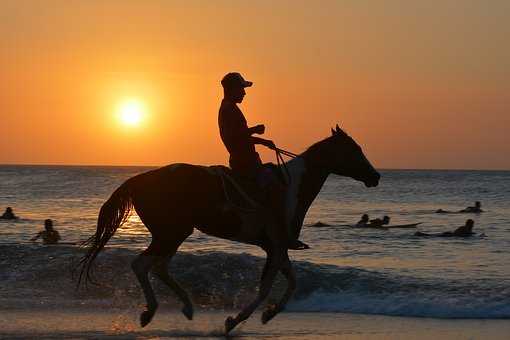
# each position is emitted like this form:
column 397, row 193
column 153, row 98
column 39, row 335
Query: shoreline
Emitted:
column 41, row 277
column 99, row 323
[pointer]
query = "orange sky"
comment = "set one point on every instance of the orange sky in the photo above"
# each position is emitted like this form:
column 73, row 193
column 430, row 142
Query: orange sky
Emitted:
column 419, row 85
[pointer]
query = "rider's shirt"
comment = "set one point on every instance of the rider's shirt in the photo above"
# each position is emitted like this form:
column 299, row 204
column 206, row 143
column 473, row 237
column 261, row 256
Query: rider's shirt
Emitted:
column 236, row 138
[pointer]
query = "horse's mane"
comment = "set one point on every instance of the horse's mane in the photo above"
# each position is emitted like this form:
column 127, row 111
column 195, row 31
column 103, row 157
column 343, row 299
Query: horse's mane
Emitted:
column 317, row 145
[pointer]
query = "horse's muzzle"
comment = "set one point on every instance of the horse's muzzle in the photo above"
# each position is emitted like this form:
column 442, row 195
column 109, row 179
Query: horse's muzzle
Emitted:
column 373, row 180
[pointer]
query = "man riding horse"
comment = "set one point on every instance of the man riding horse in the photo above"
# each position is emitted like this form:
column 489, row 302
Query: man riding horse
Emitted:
column 245, row 161
column 174, row 200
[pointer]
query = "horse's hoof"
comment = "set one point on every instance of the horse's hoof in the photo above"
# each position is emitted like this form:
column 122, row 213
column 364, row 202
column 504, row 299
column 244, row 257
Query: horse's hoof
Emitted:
column 269, row 313
column 146, row 317
column 230, row 323
column 298, row 245
column 188, row 312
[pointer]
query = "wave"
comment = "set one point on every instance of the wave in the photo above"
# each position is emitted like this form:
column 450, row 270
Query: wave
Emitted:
column 41, row 275
column 404, row 304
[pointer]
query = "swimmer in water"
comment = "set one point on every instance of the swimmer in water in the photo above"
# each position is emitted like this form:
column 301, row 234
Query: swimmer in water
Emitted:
column 476, row 209
column 49, row 235
column 9, row 214
column 363, row 222
column 379, row 223
column 463, row 231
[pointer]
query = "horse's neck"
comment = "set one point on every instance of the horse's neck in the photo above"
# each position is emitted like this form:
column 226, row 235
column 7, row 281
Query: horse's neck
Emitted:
column 305, row 185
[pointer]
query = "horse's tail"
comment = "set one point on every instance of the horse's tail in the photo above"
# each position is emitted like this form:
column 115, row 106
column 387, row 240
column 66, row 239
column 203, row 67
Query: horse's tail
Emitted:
column 114, row 212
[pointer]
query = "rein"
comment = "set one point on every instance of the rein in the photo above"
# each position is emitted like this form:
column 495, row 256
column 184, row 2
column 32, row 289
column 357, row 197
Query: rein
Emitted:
column 280, row 161
column 286, row 153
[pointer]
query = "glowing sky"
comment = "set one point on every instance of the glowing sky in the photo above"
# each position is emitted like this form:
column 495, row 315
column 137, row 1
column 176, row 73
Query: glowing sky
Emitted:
column 419, row 84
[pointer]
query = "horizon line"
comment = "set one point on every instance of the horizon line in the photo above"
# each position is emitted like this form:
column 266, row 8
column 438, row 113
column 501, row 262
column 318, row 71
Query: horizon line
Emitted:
column 159, row 166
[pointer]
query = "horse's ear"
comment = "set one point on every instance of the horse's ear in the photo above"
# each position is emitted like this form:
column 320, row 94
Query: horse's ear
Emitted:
column 332, row 132
column 338, row 128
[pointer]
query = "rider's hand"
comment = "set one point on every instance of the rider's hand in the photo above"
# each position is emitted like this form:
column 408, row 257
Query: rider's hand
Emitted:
column 270, row 144
column 258, row 129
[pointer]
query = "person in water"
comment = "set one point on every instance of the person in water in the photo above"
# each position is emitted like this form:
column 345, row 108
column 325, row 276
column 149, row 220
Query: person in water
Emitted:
column 476, row 209
column 9, row 214
column 363, row 222
column 463, row 231
column 379, row 223
column 49, row 235
column 240, row 142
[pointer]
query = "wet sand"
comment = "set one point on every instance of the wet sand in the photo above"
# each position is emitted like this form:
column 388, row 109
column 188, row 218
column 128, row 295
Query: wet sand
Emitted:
column 99, row 323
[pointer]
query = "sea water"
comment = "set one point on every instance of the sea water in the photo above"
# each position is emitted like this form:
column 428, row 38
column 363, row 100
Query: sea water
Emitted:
column 370, row 271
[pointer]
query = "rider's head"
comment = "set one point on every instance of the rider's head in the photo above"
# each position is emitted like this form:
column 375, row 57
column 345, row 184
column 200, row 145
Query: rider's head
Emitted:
column 233, row 86
column 364, row 218
column 8, row 210
column 386, row 220
column 478, row 204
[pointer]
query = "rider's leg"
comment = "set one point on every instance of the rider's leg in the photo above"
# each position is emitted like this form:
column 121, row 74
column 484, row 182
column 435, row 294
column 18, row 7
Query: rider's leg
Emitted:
column 276, row 195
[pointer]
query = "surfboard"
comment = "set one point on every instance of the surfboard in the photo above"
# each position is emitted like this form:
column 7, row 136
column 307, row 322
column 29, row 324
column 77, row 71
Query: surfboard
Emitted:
column 410, row 225
column 391, row 226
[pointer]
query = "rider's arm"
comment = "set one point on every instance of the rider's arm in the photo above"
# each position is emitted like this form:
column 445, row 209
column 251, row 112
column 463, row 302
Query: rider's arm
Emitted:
column 266, row 142
column 234, row 129
column 257, row 129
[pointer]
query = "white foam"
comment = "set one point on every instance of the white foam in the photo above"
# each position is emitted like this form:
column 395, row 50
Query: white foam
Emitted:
column 403, row 304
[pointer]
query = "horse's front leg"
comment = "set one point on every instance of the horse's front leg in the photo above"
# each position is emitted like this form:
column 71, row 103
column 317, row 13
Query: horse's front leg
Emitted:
column 273, row 264
column 289, row 274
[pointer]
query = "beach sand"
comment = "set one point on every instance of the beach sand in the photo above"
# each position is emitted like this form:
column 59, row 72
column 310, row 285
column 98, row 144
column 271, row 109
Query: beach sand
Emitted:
column 98, row 323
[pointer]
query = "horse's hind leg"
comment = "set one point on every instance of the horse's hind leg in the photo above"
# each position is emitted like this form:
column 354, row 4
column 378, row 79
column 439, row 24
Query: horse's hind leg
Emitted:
column 160, row 269
column 141, row 266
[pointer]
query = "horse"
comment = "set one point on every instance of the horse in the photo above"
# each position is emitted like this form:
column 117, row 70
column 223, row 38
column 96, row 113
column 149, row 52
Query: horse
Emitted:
column 173, row 200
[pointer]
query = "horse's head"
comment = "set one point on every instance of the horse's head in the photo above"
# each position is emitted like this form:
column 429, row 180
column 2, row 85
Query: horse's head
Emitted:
column 349, row 160
column 341, row 155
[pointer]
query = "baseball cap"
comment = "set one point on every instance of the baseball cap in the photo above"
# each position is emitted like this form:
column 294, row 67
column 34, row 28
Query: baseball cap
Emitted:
column 234, row 79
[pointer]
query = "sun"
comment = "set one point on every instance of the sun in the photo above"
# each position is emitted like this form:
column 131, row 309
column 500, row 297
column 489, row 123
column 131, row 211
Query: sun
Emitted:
column 131, row 112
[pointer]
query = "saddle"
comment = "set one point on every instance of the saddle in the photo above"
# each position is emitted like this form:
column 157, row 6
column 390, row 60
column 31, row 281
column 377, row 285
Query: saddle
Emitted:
column 250, row 199
column 243, row 192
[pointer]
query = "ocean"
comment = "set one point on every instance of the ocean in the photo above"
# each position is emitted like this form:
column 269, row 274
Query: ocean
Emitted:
column 347, row 270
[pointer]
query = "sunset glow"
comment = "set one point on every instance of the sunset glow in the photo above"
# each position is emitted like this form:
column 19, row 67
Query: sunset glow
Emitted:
column 131, row 112
column 142, row 140
column 417, row 84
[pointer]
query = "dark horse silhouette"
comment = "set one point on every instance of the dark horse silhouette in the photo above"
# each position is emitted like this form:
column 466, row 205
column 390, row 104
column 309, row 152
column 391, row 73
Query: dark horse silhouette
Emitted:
column 173, row 200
